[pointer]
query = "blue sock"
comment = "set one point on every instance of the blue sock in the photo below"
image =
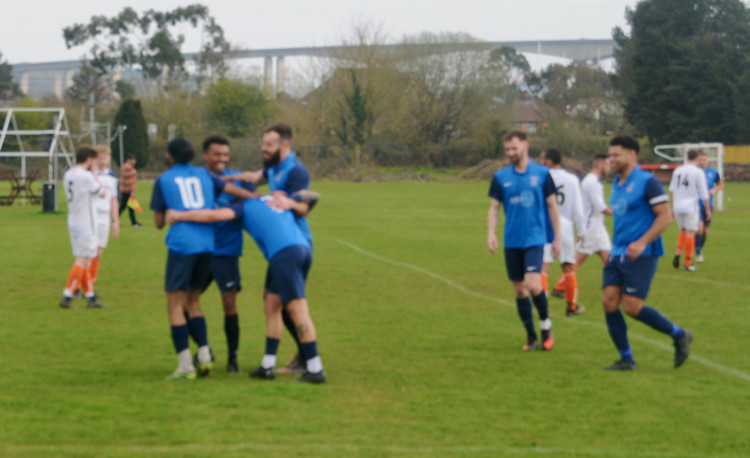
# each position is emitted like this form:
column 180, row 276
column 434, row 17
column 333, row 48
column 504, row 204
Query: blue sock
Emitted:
column 309, row 349
column 618, row 331
column 524, row 311
column 272, row 346
column 191, row 331
column 698, row 244
column 542, row 306
column 232, row 330
column 180, row 337
column 198, row 329
column 656, row 320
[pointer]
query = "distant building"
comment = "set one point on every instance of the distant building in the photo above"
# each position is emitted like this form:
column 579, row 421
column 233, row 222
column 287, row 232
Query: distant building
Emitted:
column 529, row 115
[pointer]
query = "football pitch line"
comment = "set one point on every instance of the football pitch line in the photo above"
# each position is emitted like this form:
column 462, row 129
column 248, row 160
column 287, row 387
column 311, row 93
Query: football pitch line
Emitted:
column 706, row 362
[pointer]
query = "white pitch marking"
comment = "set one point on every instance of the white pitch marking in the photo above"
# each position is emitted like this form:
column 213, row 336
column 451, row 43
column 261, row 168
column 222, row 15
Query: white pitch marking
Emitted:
column 719, row 367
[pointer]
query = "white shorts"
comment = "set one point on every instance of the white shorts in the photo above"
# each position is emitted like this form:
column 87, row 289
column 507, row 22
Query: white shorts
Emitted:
column 595, row 240
column 687, row 221
column 102, row 234
column 567, row 251
column 84, row 243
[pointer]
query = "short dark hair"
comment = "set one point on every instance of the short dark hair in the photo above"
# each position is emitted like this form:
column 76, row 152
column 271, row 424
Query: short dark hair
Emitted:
column 514, row 134
column 84, row 152
column 554, row 155
column 218, row 139
column 625, row 141
column 692, row 154
column 283, row 129
column 181, row 150
column 600, row 157
column 130, row 156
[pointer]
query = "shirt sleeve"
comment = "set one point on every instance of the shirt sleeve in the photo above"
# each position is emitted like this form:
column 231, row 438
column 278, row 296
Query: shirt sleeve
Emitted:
column 297, row 180
column 157, row 198
column 549, row 186
column 496, row 191
column 596, row 196
column 219, row 184
column 655, row 192
column 238, row 209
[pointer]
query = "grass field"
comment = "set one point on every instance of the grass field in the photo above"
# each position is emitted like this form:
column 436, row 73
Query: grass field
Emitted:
column 418, row 333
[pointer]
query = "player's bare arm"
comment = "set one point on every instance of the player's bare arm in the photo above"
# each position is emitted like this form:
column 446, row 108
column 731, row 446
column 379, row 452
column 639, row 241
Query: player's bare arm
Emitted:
column 236, row 191
column 159, row 220
column 300, row 202
column 200, row 216
column 663, row 219
column 492, row 216
column 251, row 176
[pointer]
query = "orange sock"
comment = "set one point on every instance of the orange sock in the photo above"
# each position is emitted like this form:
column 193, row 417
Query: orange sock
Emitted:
column 74, row 280
column 689, row 247
column 94, row 269
column 545, row 282
column 571, row 288
column 560, row 285
column 86, row 284
column 680, row 242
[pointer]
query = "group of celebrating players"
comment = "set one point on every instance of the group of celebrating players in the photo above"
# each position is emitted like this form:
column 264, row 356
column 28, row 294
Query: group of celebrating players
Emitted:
column 542, row 204
column 207, row 209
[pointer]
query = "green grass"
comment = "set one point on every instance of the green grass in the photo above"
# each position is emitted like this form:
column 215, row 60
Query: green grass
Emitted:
column 418, row 333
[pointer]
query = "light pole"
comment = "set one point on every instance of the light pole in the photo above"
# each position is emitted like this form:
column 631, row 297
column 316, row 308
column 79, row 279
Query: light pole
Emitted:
column 120, row 129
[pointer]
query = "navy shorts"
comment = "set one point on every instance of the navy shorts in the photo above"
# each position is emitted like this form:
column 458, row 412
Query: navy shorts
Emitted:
column 187, row 272
column 520, row 261
column 226, row 271
column 633, row 276
column 287, row 273
column 706, row 222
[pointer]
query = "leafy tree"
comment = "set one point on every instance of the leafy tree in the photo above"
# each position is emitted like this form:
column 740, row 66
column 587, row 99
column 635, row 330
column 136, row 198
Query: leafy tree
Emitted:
column 236, row 105
column 684, row 67
column 147, row 42
column 506, row 68
column 135, row 137
column 8, row 87
column 86, row 82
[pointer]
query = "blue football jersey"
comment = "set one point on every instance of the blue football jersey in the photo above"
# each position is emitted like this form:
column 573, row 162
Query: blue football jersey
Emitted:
column 712, row 179
column 523, row 195
column 290, row 176
column 631, row 204
column 187, row 187
column 272, row 229
column 228, row 234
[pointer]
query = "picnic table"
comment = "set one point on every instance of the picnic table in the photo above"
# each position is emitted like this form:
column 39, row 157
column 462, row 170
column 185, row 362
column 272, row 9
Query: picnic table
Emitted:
column 20, row 188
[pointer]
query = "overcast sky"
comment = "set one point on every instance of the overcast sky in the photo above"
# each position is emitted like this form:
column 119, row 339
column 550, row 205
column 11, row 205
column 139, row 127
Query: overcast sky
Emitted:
column 31, row 30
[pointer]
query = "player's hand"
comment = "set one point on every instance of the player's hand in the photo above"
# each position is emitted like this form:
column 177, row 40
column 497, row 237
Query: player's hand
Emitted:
column 280, row 202
column 709, row 213
column 248, row 177
column 556, row 248
column 635, row 249
column 173, row 216
column 492, row 243
column 581, row 239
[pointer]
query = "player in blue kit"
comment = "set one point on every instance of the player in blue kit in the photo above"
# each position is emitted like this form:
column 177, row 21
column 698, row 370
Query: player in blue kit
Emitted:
column 187, row 187
column 225, row 265
column 289, row 257
column 528, row 196
column 641, row 213
column 715, row 184
column 285, row 175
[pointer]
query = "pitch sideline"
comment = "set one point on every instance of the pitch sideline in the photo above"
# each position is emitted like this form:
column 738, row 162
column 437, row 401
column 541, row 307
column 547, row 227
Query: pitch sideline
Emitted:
column 708, row 363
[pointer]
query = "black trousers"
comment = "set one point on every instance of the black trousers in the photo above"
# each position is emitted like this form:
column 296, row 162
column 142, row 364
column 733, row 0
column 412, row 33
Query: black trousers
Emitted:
column 124, row 204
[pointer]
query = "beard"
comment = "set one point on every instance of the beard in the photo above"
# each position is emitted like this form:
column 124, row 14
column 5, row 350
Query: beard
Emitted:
column 273, row 160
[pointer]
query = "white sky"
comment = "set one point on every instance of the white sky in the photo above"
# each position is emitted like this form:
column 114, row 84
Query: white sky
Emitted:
column 31, row 30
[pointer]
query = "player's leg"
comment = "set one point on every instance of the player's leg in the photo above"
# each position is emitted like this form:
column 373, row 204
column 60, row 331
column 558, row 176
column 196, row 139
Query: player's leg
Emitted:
column 200, row 272
column 680, row 241
column 532, row 283
column 124, row 196
column 176, row 306
column 691, row 225
column 226, row 271
column 515, row 268
column 296, row 364
column 637, row 277
column 274, row 328
column 612, row 284
column 300, row 312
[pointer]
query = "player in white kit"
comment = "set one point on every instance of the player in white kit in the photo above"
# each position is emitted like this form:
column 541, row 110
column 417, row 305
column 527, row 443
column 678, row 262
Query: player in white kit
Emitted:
column 81, row 187
column 688, row 187
column 107, row 215
column 595, row 235
column 569, row 203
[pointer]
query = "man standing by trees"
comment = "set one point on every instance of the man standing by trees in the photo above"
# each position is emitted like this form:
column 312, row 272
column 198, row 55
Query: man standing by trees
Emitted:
column 128, row 182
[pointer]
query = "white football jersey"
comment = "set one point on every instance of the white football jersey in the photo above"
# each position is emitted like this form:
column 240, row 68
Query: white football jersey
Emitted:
column 568, row 198
column 104, row 204
column 81, row 189
column 592, row 198
column 688, row 187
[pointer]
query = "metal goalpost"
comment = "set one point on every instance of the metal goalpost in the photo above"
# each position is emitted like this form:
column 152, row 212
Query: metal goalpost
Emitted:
column 715, row 151
column 60, row 144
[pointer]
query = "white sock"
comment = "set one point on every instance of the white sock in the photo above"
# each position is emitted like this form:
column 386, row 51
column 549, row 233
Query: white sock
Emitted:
column 204, row 354
column 314, row 365
column 185, row 361
column 268, row 362
column 545, row 325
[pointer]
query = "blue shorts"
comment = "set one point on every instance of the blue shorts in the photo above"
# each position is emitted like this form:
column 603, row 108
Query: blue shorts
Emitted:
column 706, row 222
column 226, row 271
column 633, row 276
column 287, row 273
column 187, row 272
column 520, row 261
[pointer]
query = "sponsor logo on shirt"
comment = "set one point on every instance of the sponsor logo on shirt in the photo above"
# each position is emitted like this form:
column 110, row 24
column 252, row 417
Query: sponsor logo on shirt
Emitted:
column 525, row 199
column 620, row 207
column 534, row 181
